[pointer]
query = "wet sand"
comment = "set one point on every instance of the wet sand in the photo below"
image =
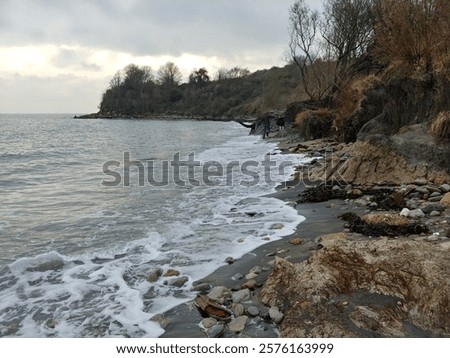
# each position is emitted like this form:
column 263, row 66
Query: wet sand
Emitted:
column 321, row 219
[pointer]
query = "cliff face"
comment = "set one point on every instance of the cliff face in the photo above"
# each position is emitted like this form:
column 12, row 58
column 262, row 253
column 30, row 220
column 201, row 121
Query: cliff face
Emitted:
column 396, row 129
column 354, row 288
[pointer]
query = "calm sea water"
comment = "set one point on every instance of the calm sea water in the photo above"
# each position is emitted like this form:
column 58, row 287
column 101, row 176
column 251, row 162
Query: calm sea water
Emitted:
column 75, row 254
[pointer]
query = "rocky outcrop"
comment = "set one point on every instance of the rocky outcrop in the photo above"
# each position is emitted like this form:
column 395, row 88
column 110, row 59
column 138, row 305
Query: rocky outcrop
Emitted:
column 372, row 162
column 361, row 288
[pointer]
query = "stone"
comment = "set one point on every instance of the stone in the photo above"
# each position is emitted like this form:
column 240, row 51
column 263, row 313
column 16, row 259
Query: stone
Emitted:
column 256, row 269
column 433, row 207
column 409, row 189
column 405, row 212
column 336, row 188
column 275, row 315
column 251, row 275
column 218, row 293
column 422, row 190
column 277, row 227
column 171, row 273
column 421, row 181
column 435, row 194
column 444, row 188
column 241, row 241
column 237, row 277
column 435, row 213
column 253, row 311
column 229, row 260
column 238, row 310
column 250, row 284
column 216, row 331
column 445, row 200
column 209, row 322
column 296, row 241
column 435, row 199
column 241, row 296
column 150, row 294
column 433, row 237
column 161, row 320
column 202, row 287
column 416, row 214
column 179, row 282
column 354, row 193
column 154, row 275
column 238, row 324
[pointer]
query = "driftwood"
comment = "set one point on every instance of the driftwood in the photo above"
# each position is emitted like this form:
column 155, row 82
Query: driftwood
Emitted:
column 210, row 308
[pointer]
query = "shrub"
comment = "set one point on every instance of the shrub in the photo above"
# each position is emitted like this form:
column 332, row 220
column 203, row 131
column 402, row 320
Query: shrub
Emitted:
column 315, row 124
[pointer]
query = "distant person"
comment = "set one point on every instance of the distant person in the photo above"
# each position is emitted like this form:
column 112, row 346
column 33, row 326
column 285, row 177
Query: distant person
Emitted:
column 280, row 123
column 266, row 127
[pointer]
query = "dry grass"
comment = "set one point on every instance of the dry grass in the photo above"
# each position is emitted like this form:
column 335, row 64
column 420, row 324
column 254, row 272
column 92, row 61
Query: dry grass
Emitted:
column 349, row 104
column 315, row 124
column 440, row 126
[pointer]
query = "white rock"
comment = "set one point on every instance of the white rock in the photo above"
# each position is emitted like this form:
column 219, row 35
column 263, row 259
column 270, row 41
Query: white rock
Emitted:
column 405, row 212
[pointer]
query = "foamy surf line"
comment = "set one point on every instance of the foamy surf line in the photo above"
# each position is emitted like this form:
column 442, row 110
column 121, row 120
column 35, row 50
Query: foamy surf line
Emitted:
column 108, row 293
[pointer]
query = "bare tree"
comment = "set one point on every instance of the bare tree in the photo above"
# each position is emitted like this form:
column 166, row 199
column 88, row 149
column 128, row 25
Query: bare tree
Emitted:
column 348, row 30
column 303, row 44
column 325, row 47
column 169, row 75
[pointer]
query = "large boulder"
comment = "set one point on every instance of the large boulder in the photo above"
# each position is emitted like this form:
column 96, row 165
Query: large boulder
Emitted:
column 377, row 288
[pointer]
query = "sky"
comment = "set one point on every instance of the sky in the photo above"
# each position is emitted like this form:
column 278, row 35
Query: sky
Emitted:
column 58, row 56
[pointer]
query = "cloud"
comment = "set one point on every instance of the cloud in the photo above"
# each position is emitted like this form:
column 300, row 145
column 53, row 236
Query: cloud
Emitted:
column 157, row 27
column 67, row 46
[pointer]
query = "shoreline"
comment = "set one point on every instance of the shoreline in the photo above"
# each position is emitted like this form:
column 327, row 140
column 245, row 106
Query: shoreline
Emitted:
column 321, row 229
column 183, row 320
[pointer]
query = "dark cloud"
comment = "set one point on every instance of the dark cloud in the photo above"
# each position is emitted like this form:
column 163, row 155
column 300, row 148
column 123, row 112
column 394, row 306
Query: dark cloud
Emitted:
column 202, row 27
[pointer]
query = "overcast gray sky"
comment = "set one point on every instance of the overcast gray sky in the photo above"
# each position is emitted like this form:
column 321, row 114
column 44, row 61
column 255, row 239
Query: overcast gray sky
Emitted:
column 59, row 55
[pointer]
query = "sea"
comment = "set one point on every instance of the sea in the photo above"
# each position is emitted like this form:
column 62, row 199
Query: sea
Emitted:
column 89, row 208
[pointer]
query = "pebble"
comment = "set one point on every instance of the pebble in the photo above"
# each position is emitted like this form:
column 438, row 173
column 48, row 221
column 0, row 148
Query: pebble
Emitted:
column 238, row 324
column 238, row 310
column 179, row 282
column 275, row 315
column 251, row 275
column 250, row 284
column 297, row 241
column 161, row 319
column 229, row 260
column 209, row 322
column 216, row 331
column 154, row 275
column 171, row 273
column 277, row 227
column 203, row 287
column 237, row 277
column 253, row 311
column 416, row 214
column 218, row 293
column 436, row 199
column 421, row 181
column 445, row 188
column 241, row 296
column 435, row 213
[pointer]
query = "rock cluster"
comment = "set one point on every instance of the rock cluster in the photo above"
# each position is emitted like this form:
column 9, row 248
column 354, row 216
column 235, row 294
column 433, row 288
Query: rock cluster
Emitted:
column 248, row 314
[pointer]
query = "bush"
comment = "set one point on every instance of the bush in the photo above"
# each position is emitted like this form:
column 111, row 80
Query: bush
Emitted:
column 315, row 124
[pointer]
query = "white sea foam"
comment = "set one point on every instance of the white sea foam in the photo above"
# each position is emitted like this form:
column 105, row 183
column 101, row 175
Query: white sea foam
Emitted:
column 105, row 292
